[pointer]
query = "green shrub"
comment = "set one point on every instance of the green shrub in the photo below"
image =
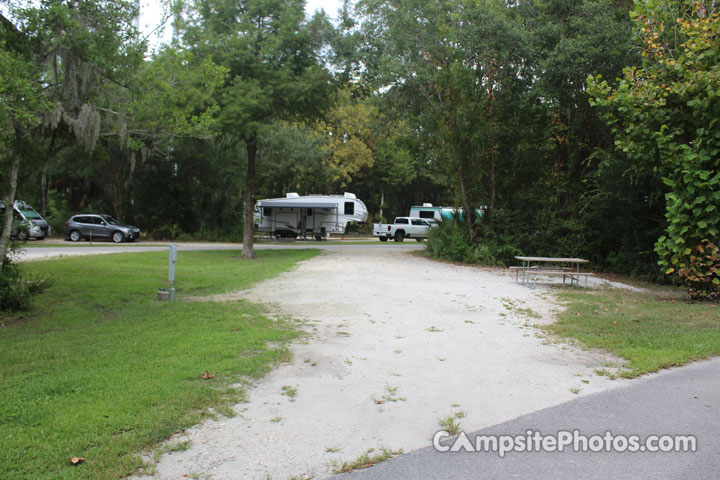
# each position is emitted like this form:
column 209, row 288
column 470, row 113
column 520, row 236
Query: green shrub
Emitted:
column 450, row 240
column 700, row 274
column 16, row 290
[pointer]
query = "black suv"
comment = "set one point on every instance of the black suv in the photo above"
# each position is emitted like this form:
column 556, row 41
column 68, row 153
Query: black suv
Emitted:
column 99, row 227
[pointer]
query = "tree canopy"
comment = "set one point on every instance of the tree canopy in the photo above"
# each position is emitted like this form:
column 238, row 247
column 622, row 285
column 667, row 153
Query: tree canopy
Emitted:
column 582, row 127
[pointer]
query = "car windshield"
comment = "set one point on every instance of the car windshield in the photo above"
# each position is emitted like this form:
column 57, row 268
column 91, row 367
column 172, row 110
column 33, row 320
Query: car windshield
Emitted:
column 29, row 213
column 109, row 220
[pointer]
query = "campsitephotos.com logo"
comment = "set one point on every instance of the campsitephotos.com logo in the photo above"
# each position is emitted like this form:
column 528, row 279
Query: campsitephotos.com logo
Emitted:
column 573, row 440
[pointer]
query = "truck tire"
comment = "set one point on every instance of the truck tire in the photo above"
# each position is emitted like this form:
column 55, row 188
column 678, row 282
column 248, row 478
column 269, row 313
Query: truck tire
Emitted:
column 383, row 239
column 399, row 235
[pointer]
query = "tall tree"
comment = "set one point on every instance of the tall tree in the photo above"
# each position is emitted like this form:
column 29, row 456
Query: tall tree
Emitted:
column 276, row 72
column 21, row 104
column 451, row 62
column 665, row 114
column 59, row 54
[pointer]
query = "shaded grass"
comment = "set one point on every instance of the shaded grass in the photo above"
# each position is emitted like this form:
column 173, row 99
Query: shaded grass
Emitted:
column 101, row 370
column 653, row 330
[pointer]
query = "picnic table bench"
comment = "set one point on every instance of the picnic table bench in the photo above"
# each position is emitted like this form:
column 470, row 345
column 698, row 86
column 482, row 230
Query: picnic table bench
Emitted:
column 551, row 266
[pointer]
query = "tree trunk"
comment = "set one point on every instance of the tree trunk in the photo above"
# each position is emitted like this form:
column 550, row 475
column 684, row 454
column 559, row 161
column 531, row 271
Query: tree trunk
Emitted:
column 493, row 190
column 382, row 201
column 468, row 213
column 249, row 208
column 9, row 199
column 43, row 190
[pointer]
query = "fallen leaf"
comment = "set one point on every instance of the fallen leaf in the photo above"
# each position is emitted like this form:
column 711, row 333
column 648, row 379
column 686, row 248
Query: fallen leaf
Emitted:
column 76, row 460
column 206, row 375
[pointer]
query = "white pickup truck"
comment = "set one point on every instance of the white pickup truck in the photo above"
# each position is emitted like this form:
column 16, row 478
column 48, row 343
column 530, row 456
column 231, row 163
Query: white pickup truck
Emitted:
column 402, row 228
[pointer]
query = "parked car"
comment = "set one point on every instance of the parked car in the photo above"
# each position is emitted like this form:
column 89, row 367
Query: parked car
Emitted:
column 27, row 222
column 91, row 226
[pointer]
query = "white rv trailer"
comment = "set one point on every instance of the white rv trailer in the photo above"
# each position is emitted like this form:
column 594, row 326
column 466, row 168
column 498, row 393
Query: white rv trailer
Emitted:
column 432, row 213
column 310, row 215
column 436, row 214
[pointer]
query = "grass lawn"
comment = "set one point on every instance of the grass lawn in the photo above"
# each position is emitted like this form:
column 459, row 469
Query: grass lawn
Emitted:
column 653, row 330
column 99, row 369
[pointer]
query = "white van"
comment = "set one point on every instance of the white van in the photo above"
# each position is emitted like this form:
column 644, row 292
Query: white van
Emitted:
column 27, row 223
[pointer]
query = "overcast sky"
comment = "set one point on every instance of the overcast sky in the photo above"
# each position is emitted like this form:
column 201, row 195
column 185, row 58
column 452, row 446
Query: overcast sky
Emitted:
column 151, row 15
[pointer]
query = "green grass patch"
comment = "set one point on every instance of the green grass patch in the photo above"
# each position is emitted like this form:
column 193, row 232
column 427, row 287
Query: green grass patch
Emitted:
column 653, row 330
column 99, row 369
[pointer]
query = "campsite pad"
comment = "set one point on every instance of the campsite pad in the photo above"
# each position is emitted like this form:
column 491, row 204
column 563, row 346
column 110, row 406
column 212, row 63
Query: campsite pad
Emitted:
column 397, row 342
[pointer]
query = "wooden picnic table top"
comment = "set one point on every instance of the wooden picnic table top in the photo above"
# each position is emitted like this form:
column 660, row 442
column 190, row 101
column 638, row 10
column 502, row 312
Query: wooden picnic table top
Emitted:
column 553, row 259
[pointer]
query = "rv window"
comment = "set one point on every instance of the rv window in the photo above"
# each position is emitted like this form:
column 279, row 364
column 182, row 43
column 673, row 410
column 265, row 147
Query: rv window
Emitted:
column 267, row 211
column 309, row 212
column 349, row 208
column 427, row 214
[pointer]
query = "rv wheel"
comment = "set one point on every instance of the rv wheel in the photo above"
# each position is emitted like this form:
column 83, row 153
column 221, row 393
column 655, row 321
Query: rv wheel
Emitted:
column 23, row 235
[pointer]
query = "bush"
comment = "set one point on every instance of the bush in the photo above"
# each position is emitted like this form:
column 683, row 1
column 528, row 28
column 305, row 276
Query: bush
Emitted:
column 450, row 240
column 700, row 274
column 16, row 291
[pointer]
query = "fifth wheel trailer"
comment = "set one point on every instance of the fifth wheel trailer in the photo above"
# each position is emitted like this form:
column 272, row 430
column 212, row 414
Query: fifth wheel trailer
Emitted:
column 310, row 215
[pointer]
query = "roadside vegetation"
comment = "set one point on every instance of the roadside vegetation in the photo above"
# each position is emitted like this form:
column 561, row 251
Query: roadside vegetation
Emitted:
column 368, row 459
column 17, row 289
column 451, row 241
column 655, row 329
column 100, row 370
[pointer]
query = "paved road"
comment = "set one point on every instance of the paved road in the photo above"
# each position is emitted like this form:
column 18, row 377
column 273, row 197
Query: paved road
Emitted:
column 63, row 249
column 681, row 401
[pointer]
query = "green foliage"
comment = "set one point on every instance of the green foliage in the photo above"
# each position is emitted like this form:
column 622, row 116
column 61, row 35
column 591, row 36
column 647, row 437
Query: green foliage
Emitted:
column 664, row 113
column 455, row 67
column 449, row 240
column 701, row 273
column 353, row 140
column 17, row 289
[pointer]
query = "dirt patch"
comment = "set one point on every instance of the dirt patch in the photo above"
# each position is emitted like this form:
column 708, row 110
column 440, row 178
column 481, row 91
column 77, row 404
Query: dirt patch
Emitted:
column 396, row 343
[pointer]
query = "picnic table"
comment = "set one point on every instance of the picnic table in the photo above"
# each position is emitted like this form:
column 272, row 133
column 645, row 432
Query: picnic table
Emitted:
column 551, row 266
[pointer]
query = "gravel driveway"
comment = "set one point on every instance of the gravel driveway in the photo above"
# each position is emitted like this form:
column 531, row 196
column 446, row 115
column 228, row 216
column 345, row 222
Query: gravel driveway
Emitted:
column 397, row 342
